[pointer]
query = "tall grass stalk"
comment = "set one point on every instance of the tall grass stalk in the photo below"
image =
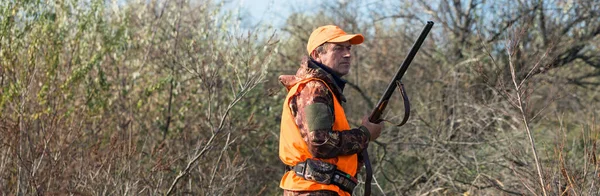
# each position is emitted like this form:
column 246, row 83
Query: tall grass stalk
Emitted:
column 519, row 102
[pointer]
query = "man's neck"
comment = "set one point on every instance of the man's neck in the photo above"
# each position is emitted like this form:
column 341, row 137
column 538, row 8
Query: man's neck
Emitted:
column 337, row 79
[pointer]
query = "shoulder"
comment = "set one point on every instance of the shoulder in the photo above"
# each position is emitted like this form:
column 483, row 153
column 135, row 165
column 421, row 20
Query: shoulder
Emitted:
column 317, row 85
column 312, row 92
column 315, row 88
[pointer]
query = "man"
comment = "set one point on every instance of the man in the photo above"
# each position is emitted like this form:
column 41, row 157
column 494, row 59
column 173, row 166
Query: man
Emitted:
column 316, row 143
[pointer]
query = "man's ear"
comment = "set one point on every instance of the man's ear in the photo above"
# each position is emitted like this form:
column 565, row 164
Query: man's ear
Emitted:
column 315, row 55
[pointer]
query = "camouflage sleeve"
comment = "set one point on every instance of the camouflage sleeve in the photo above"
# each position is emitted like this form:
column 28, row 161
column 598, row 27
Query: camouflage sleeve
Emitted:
column 313, row 107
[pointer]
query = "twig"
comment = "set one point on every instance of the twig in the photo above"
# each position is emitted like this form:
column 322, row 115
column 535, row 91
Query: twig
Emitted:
column 214, row 172
column 246, row 87
column 519, row 105
column 378, row 186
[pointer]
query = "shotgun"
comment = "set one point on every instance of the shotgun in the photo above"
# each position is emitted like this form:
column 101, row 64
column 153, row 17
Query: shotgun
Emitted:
column 375, row 116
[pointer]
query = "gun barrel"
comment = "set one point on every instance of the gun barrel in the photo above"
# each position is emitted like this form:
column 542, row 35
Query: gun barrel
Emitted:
column 377, row 112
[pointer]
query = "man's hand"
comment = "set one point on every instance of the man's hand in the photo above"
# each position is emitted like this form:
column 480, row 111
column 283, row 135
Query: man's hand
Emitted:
column 374, row 129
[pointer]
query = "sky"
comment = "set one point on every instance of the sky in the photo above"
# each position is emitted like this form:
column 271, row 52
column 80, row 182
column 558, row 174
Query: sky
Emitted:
column 268, row 11
column 275, row 12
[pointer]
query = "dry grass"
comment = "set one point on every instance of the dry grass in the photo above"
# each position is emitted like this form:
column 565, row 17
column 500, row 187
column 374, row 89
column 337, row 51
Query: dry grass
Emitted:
column 174, row 98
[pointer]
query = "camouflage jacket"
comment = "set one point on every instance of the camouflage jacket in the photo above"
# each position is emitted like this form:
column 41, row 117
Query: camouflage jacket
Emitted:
column 312, row 108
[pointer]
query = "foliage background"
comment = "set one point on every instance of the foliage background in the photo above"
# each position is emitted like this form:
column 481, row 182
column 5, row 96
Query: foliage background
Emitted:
column 181, row 97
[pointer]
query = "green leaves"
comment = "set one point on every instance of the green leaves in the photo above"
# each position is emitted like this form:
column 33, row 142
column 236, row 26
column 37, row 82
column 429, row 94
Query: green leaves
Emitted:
column 93, row 85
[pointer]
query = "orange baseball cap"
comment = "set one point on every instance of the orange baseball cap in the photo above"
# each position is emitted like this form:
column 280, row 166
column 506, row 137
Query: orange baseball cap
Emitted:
column 331, row 33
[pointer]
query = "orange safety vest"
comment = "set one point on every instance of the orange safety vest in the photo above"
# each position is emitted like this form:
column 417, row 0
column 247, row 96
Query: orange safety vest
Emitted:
column 293, row 149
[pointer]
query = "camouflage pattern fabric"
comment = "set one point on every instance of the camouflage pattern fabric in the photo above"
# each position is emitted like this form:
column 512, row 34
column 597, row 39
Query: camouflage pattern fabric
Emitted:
column 319, row 171
column 312, row 108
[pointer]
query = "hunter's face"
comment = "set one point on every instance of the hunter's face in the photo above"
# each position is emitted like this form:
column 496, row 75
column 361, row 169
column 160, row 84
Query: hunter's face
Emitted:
column 337, row 57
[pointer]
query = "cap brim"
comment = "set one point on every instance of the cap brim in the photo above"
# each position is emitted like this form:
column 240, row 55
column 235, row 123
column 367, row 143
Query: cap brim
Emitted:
column 353, row 38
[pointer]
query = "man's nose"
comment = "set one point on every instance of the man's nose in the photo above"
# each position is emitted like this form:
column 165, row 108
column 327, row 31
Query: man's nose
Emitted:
column 347, row 53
